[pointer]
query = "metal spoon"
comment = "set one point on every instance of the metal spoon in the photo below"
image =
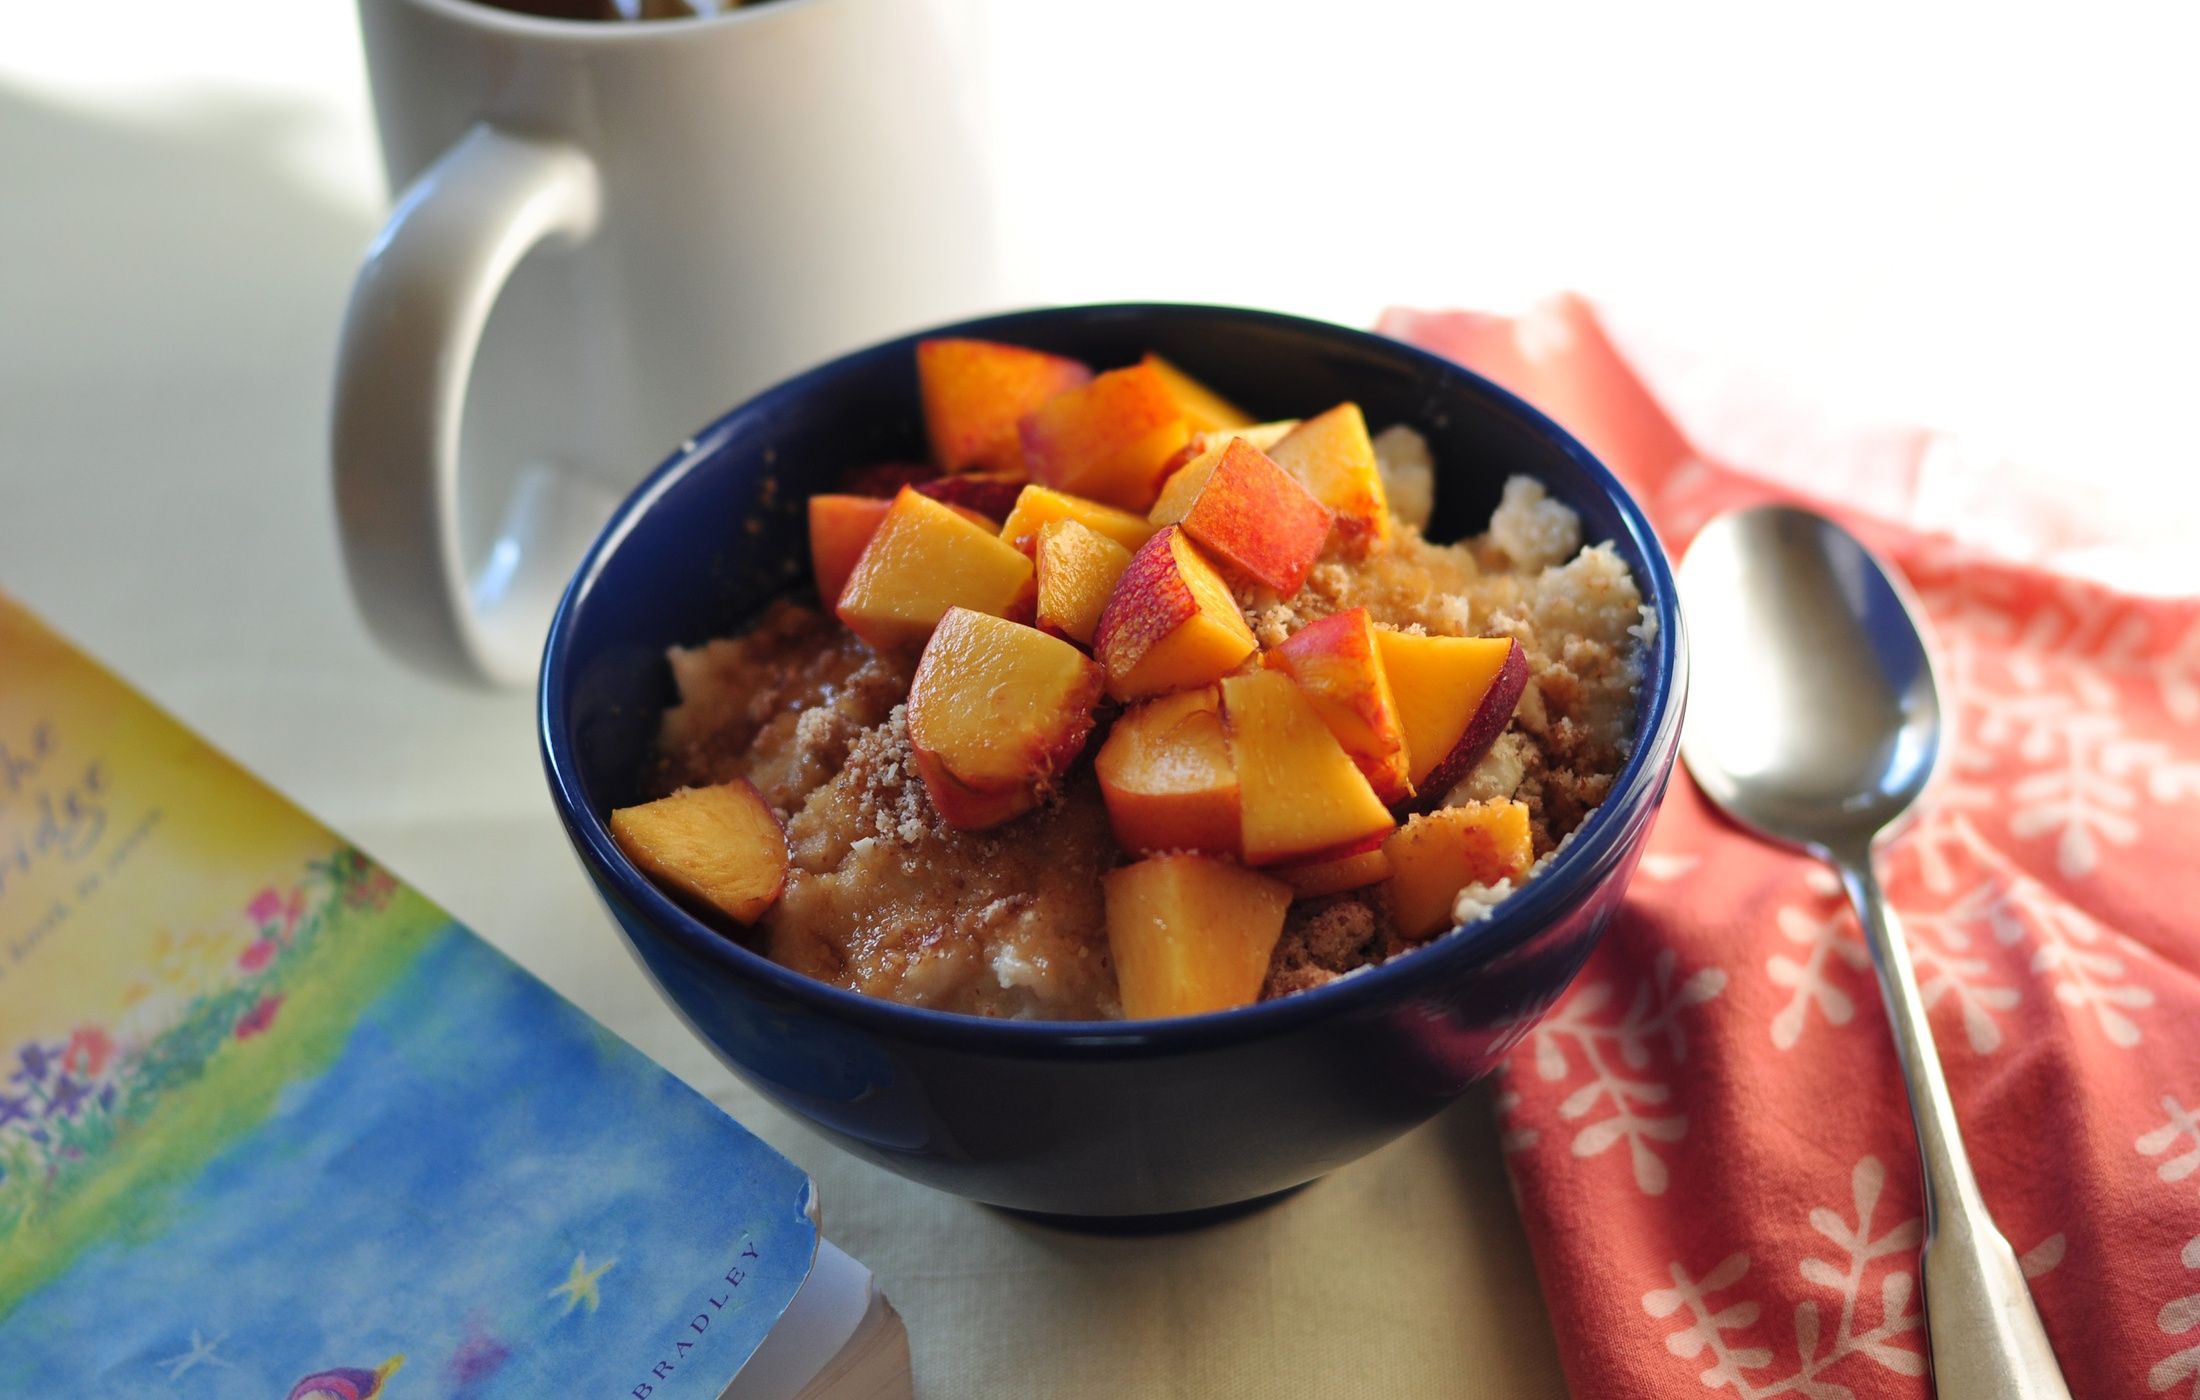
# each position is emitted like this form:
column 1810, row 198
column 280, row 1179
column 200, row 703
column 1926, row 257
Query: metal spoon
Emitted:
column 1814, row 721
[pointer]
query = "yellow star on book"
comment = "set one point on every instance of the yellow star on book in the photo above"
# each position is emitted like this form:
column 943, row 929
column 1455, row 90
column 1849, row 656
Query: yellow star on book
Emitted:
column 580, row 1285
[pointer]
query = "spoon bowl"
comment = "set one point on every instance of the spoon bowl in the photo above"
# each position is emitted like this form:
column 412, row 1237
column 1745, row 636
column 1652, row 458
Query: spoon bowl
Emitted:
column 1816, row 719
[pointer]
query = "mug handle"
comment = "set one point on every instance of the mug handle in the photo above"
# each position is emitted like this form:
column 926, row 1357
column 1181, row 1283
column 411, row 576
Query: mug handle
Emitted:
column 403, row 361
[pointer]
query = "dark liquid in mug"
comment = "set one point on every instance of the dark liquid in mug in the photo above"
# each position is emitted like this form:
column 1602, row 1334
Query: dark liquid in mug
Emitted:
column 616, row 10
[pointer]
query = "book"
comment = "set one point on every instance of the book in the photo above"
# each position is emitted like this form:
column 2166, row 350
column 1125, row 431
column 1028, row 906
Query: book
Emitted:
column 273, row 1125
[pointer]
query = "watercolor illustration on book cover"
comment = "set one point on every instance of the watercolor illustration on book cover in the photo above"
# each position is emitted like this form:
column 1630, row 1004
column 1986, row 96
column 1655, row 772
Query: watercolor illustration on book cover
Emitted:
column 272, row 1124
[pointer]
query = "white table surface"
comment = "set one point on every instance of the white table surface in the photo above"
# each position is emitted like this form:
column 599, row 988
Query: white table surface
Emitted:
column 1957, row 218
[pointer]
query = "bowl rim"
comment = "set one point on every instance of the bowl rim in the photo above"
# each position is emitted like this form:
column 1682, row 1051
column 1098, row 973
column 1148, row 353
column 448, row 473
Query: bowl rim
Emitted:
column 1514, row 921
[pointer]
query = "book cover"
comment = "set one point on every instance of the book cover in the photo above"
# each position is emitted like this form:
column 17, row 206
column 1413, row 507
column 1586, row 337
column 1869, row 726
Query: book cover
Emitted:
column 273, row 1125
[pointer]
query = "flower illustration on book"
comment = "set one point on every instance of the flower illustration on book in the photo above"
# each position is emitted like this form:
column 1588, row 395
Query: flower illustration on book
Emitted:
column 197, row 963
column 266, row 906
column 65, row 1102
column 68, row 1095
column 87, row 1052
column 34, row 1062
column 276, row 913
column 259, row 1018
column 372, row 890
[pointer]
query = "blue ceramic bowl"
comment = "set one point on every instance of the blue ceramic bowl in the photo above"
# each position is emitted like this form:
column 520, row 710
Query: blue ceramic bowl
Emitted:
column 1089, row 1119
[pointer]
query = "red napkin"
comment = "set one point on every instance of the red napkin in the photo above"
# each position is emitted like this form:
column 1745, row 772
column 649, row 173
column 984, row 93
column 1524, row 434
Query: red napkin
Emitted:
column 1708, row 1135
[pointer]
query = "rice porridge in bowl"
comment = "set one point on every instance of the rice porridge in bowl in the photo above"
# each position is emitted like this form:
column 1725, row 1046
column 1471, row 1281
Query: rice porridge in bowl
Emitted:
column 1125, row 705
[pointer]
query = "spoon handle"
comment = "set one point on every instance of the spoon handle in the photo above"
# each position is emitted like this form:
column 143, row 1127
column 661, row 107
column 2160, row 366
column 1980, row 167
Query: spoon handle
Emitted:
column 1986, row 1338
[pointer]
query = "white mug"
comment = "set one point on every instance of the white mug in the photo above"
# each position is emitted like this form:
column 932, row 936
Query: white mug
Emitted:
column 665, row 217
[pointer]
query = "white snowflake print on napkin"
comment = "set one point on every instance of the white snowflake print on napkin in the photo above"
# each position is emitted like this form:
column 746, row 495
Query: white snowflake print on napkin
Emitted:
column 2039, row 718
column 2177, row 1142
column 1855, row 1329
column 1829, row 969
column 1624, row 1097
column 2086, row 963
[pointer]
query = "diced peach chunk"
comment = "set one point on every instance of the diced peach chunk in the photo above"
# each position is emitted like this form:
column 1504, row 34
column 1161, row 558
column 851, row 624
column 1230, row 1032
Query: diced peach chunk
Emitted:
column 1334, row 876
column 1109, row 440
column 1190, row 933
column 1078, row 569
column 924, row 559
column 1182, row 485
column 1332, row 455
column 975, row 394
column 1455, row 695
column 1261, row 435
column 1205, row 411
column 1036, row 505
column 1189, row 469
column 990, row 495
column 1254, row 517
column 1437, row 854
column 721, row 846
column 1167, row 777
column 1171, row 624
column 1301, row 797
column 1335, row 661
column 996, row 711
column 840, row 526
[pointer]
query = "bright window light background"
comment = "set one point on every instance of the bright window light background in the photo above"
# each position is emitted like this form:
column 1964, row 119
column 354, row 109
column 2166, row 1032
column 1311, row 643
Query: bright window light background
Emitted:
column 1978, row 218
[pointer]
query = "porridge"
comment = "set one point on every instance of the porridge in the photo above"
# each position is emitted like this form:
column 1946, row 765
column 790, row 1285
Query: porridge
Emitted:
column 1129, row 706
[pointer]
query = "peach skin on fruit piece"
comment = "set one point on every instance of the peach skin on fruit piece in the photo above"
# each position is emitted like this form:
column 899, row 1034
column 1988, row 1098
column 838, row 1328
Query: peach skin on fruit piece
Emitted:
column 885, row 479
column 1078, row 569
column 1332, row 454
column 1455, row 695
column 1334, row 876
column 1256, row 520
column 924, row 559
column 719, row 846
column 1301, row 797
column 1190, row 933
column 1167, row 777
column 1171, row 624
column 840, row 526
column 1205, row 411
column 976, row 392
column 1335, row 661
column 1036, row 505
column 1437, row 854
column 1109, row 440
column 991, row 494
column 996, row 711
